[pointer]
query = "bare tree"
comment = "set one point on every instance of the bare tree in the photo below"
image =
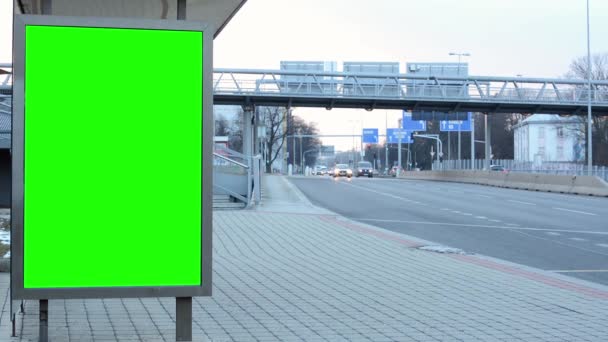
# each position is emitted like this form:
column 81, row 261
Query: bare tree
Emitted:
column 276, row 133
column 599, row 71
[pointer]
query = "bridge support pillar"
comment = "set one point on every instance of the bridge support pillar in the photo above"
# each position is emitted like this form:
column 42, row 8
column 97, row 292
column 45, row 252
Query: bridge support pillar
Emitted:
column 248, row 118
column 488, row 143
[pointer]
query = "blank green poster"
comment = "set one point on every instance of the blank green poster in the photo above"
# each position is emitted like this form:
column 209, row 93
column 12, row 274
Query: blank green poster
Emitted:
column 113, row 143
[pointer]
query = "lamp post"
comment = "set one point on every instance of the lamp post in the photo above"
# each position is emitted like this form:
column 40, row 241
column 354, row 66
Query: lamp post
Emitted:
column 460, row 55
column 589, row 119
column 353, row 122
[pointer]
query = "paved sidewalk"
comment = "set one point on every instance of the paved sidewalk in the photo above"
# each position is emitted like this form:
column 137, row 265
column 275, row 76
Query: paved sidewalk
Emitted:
column 285, row 274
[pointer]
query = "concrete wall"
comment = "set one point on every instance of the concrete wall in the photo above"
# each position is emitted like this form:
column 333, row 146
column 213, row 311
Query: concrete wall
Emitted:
column 581, row 185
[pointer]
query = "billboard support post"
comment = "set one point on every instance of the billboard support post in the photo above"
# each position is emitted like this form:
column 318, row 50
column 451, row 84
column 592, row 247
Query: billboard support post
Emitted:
column 183, row 318
column 183, row 305
column 44, row 321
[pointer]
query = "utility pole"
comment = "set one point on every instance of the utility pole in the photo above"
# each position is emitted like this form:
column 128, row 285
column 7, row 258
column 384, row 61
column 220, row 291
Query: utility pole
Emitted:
column 399, row 137
column 472, row 141
column 488, row 139
column 386, row 141
column 589, row 119
column 460, row 55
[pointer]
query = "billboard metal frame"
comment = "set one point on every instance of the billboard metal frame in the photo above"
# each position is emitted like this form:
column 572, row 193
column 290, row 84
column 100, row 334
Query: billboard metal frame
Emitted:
column 17, row 216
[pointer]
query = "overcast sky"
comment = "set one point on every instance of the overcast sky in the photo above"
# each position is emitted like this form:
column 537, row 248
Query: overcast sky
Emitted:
column 534, row 38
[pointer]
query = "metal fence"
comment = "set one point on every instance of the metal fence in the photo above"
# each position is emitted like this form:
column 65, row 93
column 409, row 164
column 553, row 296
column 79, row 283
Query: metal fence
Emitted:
column 554, row 168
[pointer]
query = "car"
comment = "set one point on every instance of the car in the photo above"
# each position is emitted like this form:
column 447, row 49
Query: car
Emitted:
column 365, row 168
column 498, row 168
column 393, row 171
column 320, row 170
column 342, row 170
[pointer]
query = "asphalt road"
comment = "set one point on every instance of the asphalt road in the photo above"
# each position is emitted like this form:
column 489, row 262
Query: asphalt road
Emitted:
column 566, row 234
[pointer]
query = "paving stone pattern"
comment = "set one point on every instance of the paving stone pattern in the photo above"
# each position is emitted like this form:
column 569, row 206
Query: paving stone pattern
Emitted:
column 303, row 277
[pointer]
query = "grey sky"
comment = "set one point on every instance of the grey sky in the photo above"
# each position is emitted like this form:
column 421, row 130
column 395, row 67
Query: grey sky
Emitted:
column 535, row 38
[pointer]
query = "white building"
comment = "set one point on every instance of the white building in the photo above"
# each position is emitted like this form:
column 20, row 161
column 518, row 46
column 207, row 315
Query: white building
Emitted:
column 543, row 138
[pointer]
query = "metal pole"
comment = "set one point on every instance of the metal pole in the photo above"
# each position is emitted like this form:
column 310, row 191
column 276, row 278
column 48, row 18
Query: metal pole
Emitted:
column 183, row 318
column 409, row 156
column 46, row 7
column 181, row 9
column 438, row 150
column 589, row 119
column 472, row 141
column 43, row 331
column 487, row 139
column 449, row 145
column 399, row 155
column 301, row 161
column 386, row 142
column 460, row 124
column 354, row 154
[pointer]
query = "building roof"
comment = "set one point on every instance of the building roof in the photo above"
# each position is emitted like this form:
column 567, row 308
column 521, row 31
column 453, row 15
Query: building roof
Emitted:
column 549, row 119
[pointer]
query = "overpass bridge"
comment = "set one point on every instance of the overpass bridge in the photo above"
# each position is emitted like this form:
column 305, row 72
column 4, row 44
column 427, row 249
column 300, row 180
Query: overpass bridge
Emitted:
column 485, row 94
column 287, row 88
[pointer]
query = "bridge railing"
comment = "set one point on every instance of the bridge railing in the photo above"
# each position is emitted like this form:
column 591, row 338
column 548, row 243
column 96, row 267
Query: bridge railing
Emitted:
column 335, row 84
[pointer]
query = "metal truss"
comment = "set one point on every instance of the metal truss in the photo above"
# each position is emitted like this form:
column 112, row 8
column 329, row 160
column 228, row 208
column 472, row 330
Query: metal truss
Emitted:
column 443, row 94
column 397, row 91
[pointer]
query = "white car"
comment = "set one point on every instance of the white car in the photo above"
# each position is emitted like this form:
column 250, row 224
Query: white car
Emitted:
column 342, row 170
column 320, row 170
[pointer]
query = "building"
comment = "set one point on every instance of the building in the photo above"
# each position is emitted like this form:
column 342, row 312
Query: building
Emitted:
column 544, row 138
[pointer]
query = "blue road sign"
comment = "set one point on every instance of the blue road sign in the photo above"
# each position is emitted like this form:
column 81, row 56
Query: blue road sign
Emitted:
column 370, row 135
column 392, row 134
column 412, row 125
column 456, row 125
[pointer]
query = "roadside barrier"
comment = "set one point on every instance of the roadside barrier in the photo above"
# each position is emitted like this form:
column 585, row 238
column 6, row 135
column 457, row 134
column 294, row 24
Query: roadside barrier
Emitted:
column 568, row 184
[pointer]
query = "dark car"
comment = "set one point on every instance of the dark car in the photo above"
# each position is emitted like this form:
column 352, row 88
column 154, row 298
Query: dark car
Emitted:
column 364, row 168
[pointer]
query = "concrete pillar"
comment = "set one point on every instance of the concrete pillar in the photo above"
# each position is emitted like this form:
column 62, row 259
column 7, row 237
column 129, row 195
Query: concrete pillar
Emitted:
column 247, row 132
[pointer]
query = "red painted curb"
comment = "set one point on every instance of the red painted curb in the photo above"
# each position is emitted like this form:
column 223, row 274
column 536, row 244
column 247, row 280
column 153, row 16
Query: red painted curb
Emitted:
column 539, row 277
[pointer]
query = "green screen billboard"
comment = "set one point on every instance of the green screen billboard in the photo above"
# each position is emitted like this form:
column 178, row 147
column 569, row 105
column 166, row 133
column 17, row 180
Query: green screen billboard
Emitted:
column 112, row 157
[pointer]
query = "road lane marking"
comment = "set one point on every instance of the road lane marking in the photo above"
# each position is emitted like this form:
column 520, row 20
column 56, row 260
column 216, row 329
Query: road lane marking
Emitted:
column 467, row 214
column 513, row 224
column 445, row 209
column 578, row 239
column 579, row 271
column 480, row 226
column 521, row 202
column 576, row 211
column 484, row 196
column 481, row 217
column 497, row 221
column 383, row 193
column 605, row 245
column 553, row 233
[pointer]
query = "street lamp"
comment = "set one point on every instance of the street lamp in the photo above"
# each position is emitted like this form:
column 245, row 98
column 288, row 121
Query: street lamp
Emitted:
column 460, row 55
column 353, row 122
column 589, row 126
